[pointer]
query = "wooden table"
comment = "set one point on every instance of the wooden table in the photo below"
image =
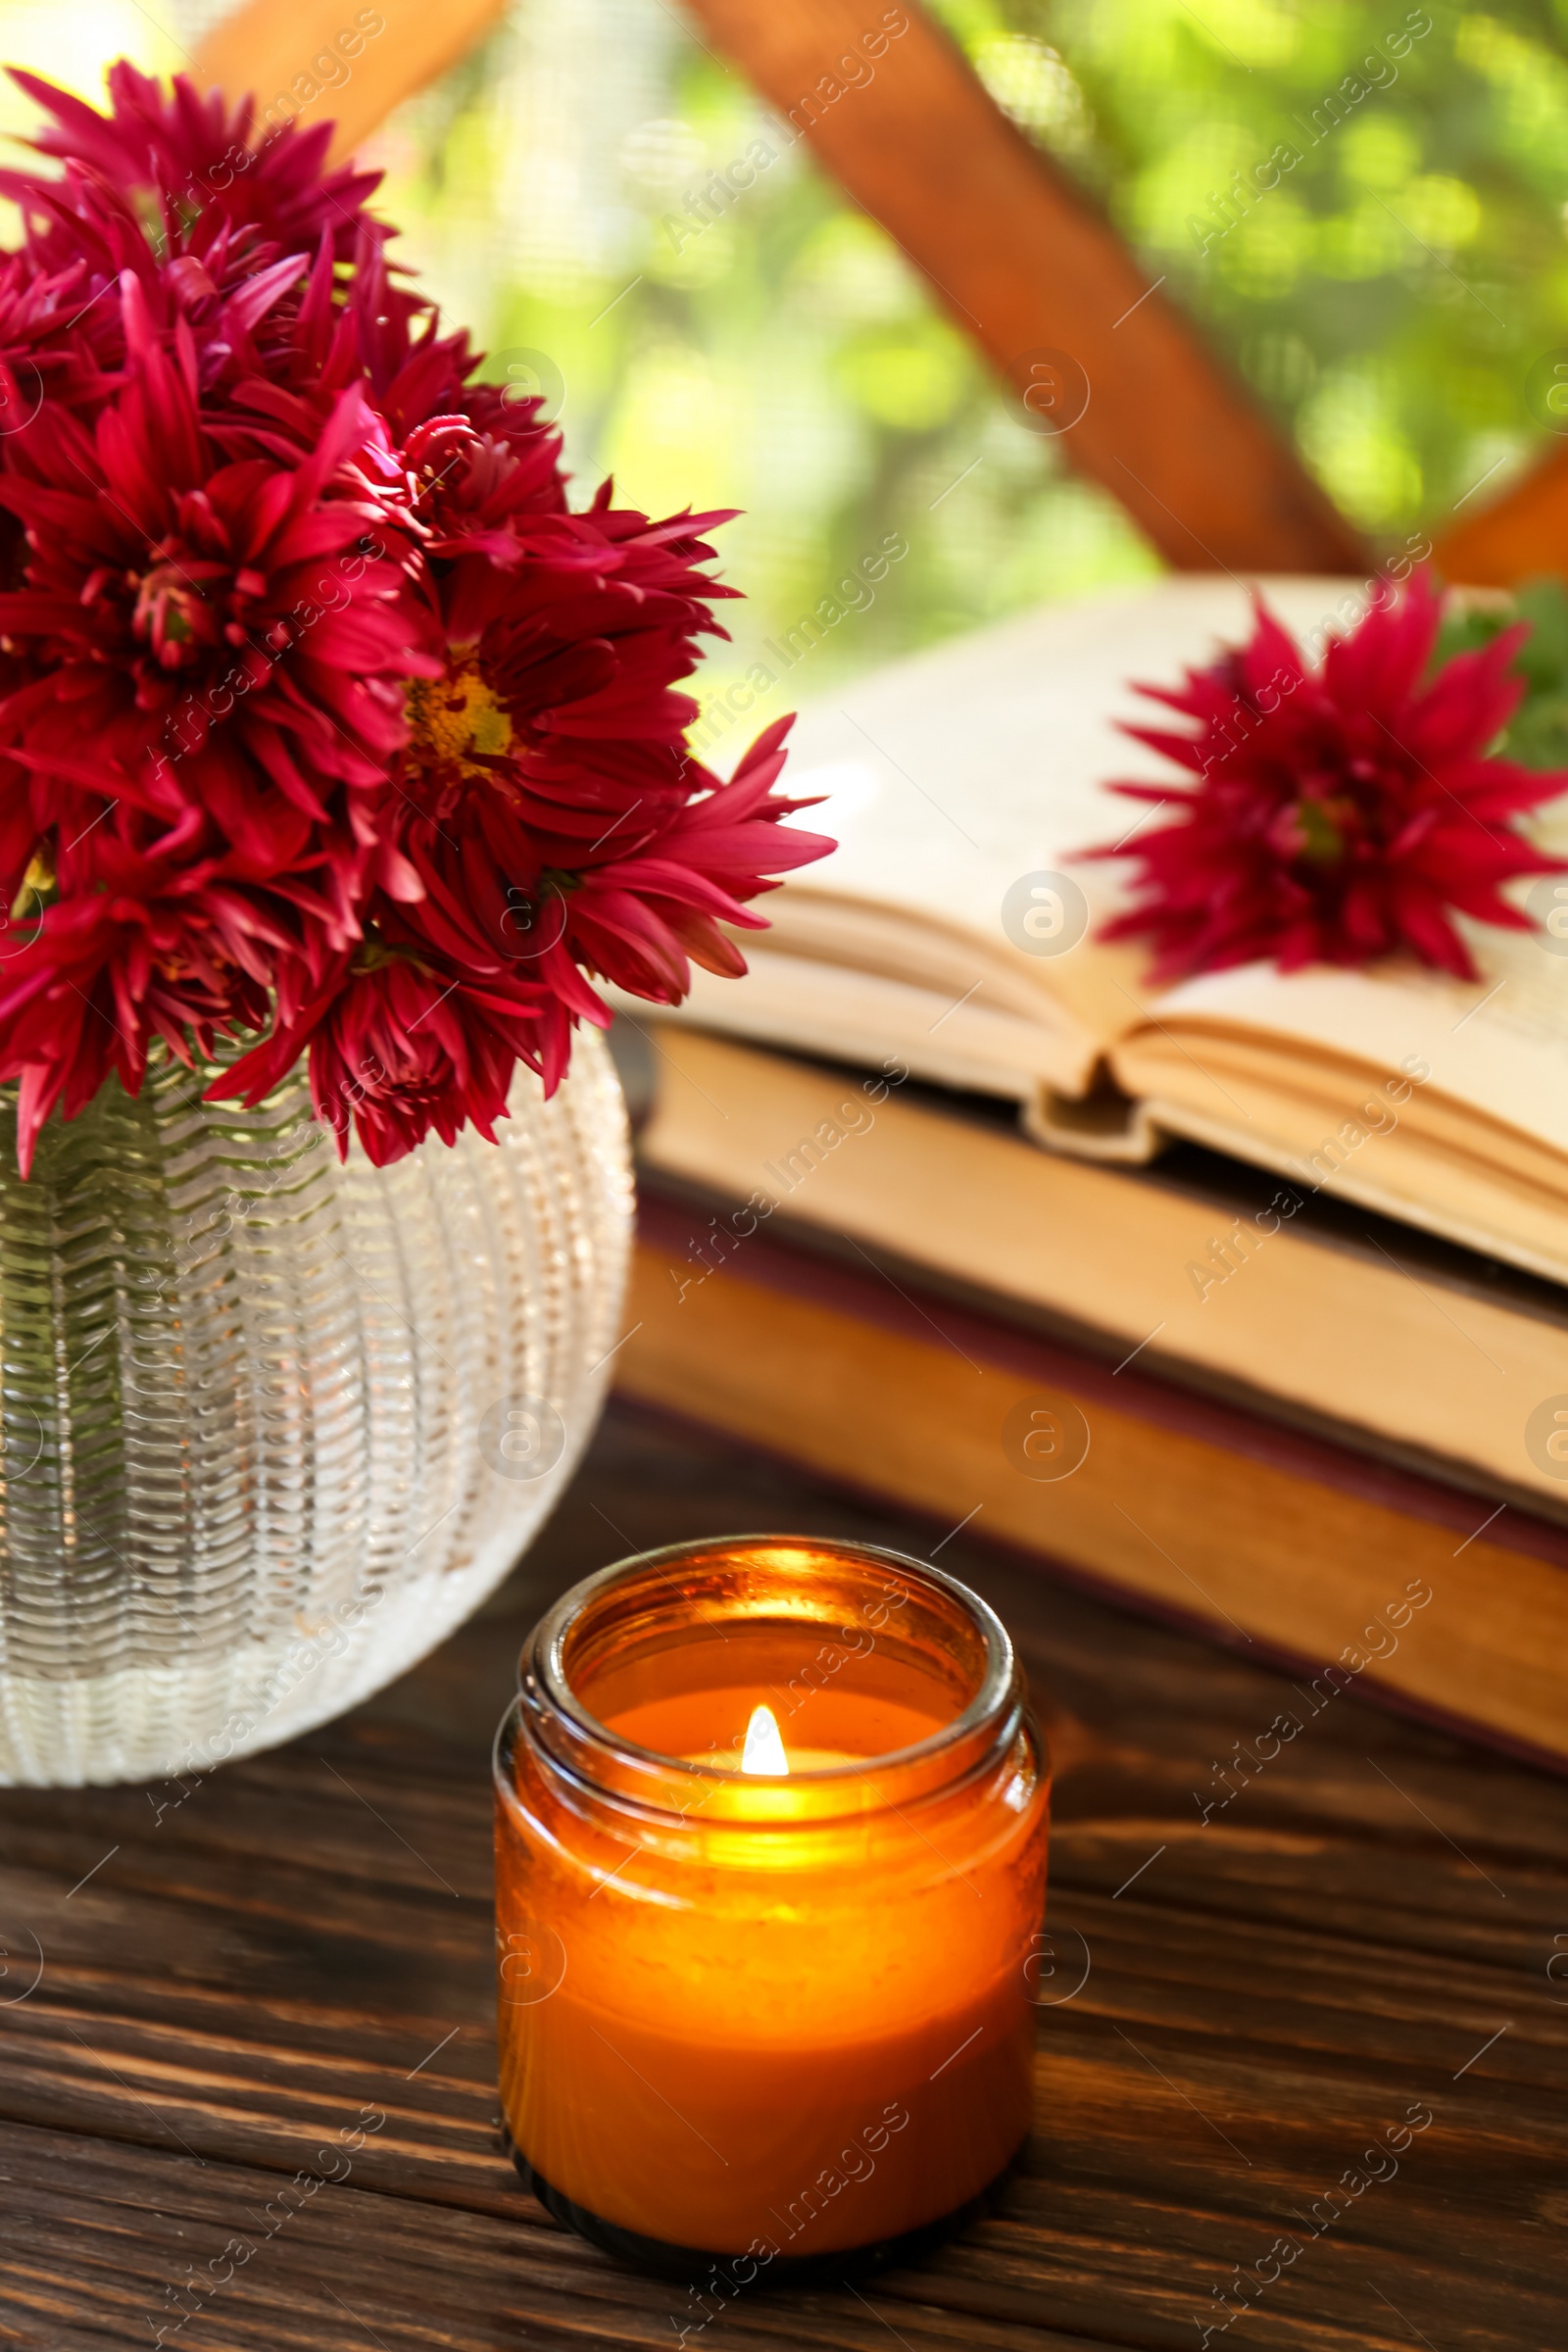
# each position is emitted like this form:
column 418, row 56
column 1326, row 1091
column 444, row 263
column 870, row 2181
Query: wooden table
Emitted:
column 239, row 1974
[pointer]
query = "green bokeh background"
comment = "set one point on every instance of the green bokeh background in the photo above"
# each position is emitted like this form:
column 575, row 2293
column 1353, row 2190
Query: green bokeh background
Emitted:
column 1391, row 301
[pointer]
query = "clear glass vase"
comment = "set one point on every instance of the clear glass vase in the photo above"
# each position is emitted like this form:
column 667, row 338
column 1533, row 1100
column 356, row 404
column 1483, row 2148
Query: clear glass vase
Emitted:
column 269, row 1425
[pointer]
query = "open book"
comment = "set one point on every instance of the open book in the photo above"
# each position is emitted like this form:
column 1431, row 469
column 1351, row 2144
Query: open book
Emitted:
column 962, row 782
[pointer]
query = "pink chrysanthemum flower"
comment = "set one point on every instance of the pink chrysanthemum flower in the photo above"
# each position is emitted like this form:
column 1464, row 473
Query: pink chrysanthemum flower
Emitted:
column 202, row 635
column 402, row 1041
column 327, row 726
column 190, row 167
column 159, row 948
column 1340, row 814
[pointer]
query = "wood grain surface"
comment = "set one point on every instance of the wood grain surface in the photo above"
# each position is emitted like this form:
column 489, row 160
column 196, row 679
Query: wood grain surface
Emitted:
column 237, row 1976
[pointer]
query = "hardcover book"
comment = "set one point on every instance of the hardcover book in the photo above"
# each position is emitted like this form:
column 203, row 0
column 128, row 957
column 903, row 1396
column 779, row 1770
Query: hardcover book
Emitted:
column 955, row 928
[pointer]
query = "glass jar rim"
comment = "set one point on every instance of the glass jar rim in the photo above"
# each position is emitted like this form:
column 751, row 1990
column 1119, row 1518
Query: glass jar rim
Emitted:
column 607, row 1761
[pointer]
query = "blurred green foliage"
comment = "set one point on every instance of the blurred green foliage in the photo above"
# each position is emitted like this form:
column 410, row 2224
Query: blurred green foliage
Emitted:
column 777, row 351
column 1393, row 293
column 1538, row 733
column 1388, row 298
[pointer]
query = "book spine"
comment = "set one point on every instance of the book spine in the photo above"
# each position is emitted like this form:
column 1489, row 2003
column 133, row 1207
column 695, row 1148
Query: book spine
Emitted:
column 1181, row 1507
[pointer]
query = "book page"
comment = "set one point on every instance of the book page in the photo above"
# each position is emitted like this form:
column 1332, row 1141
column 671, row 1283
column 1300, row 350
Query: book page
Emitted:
column 947, row 1035
column 955, row 774
column 1496, row 1045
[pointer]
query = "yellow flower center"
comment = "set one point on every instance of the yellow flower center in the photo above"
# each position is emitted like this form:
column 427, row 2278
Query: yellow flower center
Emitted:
column 38, row 888
column 452, row 719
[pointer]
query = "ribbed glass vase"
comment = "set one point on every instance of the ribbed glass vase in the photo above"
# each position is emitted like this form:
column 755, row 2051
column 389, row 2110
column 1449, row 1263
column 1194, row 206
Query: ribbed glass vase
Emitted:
column 269, row 1425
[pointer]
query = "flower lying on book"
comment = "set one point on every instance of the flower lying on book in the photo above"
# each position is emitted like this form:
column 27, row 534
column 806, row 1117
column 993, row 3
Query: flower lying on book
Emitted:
column 1340, row 814
column 324, row 718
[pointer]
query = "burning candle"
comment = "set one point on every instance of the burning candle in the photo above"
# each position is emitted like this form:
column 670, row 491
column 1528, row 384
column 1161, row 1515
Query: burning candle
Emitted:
column 770, row 1864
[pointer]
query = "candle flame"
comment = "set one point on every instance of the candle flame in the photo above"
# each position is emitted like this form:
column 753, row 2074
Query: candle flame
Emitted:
column 765, row 1749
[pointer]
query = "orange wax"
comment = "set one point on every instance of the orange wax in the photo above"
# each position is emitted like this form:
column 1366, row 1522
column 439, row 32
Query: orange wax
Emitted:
column 752, row 2012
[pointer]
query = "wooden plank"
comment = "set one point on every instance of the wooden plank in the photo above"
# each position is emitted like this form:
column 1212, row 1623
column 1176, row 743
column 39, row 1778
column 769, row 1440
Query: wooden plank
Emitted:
column 250, row 1969
column 1519, row 538
column 1095, row 357
column 108, row 2233
column 292, row 57
column 1028, row 267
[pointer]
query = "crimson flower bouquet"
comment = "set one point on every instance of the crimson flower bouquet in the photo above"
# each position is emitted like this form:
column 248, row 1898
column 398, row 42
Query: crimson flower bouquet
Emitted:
column 328, row 726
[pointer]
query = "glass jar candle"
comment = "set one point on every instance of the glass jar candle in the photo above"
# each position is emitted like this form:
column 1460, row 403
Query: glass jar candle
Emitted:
column 771, row 1866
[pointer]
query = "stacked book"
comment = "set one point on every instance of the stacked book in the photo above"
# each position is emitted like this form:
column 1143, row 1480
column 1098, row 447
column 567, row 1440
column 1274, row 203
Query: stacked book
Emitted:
column 1247, row 1298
